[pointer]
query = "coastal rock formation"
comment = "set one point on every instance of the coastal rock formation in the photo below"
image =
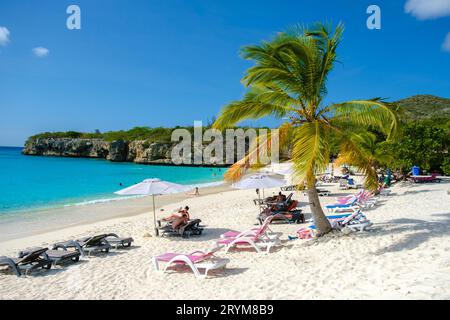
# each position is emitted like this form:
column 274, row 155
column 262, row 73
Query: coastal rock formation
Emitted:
column 138, row 151
column 118, row 151
column 144, row 152
column 66, row 147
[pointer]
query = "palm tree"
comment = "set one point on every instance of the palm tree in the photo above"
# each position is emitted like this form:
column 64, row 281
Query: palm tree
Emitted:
column 368, row 157
column 288, row 81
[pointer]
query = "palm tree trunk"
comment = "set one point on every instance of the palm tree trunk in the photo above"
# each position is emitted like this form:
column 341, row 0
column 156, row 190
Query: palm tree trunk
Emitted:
column 320, row 220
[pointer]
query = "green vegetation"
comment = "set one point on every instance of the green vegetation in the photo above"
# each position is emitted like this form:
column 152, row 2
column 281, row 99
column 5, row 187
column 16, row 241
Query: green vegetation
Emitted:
column 150, row 135
column 422, row 107
column 138, row 133
column 421, row 143
column 424, row 136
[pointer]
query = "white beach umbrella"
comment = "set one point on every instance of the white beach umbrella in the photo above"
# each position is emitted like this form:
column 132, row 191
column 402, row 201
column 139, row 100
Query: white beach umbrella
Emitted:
column 286, row 171
column 153, row 187
column 259, row 181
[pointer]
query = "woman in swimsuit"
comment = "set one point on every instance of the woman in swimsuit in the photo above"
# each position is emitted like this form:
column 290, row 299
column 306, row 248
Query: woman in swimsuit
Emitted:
column 179, row 218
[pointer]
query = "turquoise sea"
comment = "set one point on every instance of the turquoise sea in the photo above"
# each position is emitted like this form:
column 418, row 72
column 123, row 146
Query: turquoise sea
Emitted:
column 29, row 182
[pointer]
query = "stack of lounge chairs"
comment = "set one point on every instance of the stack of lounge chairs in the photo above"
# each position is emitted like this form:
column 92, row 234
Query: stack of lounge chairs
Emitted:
column 32, row 259
column 362, row 199
column 355, row 221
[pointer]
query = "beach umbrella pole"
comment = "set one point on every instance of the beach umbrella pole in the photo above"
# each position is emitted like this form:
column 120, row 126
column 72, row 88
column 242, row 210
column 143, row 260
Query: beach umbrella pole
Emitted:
column 154, row 216
column 259, row 202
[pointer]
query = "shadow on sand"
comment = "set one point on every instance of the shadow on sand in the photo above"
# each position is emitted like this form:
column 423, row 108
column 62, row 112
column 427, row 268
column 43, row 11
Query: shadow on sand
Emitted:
column 217, row 273
column 424, row 230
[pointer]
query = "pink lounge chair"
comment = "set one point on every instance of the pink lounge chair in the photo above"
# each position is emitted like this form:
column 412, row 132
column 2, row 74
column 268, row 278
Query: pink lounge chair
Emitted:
column 361, row 196
column 424, row 179
column 363, row 199
column 343, row 200
column 196, row 260
column 264, row 228
column 257, row 239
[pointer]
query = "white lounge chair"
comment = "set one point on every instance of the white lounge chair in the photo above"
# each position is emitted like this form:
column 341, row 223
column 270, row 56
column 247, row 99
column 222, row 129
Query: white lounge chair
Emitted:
column 355, row 221
column 263, row 228
column 195, row 260
column 343, row 184
column 259, row 239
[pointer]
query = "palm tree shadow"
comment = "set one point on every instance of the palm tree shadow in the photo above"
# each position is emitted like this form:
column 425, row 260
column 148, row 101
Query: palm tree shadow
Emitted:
column 36, row 274
column 424, row 230
column 207, row 235
column 416, row 191
column 217, row 273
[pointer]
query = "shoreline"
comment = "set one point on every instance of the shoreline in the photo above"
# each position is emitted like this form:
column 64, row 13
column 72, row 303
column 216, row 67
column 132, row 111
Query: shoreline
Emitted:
column 37, row 222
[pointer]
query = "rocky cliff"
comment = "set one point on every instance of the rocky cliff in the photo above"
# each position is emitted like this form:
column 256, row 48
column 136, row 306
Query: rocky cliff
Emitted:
column 139, row 151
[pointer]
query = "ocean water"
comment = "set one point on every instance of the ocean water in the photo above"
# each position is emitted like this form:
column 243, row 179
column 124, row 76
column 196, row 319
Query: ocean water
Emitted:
column 34, row 183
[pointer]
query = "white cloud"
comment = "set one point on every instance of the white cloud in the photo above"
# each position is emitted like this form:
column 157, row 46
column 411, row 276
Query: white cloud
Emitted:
column 428, row 9
column 41, row 52
column 446, row 44
column 4, row 36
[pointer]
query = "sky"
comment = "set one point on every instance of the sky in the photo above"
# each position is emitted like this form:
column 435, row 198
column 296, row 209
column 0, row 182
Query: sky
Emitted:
column 170, row 62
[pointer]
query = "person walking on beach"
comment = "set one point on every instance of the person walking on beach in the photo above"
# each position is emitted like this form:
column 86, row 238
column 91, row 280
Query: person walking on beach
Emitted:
column 196, row 192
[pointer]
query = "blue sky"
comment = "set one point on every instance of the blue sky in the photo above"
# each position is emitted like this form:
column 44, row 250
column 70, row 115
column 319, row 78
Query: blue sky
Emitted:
column 167, row 62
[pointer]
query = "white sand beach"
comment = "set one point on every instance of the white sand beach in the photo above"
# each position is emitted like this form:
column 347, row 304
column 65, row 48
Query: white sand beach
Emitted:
column 405, row 255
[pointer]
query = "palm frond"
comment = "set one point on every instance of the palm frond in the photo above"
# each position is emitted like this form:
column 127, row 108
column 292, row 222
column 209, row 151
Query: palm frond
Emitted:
column 260, row 146
column 351, row 153
column 364, row 113
column 310, row 153
column 253, row 106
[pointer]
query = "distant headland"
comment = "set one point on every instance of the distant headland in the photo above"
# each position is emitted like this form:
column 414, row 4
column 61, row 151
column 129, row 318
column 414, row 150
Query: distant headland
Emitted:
column 145, row 145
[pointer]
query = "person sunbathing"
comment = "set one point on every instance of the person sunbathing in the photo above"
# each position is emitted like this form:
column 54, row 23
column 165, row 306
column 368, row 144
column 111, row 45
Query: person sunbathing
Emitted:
column 179, row 218
column 281, row 197
column 278, row 200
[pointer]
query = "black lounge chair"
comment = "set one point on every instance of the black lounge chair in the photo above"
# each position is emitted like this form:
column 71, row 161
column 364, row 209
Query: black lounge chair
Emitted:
column 28, row 263
column 320, row 192
column 191, row 228
column 281, row 205
column 87, row 245
column 57, row 257
column 291, row 214
column 116, row 241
